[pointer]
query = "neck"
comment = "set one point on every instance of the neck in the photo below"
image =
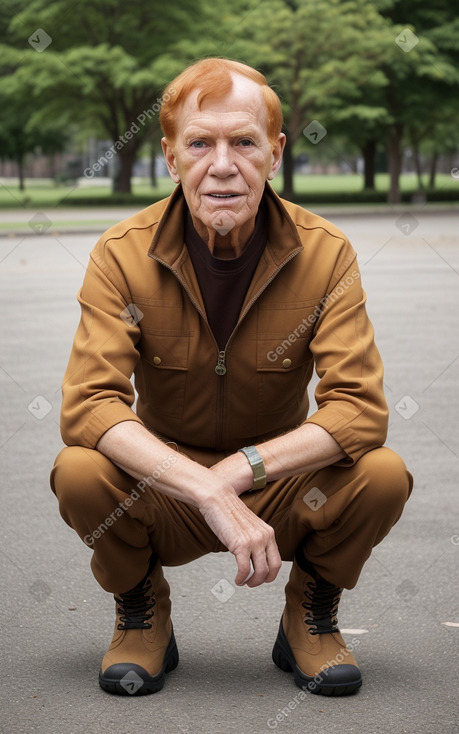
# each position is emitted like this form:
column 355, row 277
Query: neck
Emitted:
column 225, row 245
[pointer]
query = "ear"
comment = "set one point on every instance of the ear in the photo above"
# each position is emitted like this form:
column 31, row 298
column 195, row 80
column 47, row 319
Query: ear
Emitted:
column 169, row 157
column 276, row 156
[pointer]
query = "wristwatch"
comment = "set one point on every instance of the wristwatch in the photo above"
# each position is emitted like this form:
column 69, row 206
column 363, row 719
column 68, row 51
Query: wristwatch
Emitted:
column 258, row 467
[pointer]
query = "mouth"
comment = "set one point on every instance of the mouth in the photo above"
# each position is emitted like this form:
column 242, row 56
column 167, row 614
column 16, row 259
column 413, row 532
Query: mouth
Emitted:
column 223, row 196
column 229, row 200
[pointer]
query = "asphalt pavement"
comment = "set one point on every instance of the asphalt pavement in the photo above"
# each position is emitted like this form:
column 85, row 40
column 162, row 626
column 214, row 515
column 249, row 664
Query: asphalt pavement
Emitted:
column 403, row 616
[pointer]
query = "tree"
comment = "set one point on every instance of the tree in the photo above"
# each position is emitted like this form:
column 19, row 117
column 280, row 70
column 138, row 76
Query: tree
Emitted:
column 348, row 65
column 443, row 138
column 421, row 69
column 351, row 66
column 20, row 134
column 101, row 71
column 323, row 58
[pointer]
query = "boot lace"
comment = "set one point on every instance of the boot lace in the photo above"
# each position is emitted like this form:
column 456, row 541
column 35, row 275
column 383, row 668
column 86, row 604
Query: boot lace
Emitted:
column 136, row 606
column 321, row 606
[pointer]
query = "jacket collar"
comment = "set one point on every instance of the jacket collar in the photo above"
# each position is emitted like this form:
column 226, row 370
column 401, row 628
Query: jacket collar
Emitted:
column 168, row 243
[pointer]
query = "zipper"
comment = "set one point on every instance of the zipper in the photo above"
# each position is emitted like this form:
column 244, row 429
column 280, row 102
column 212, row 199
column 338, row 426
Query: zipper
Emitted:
column 220, row 367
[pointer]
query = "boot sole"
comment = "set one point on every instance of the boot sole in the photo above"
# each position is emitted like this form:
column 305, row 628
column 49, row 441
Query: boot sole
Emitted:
column 130, row 679
column 285, row 660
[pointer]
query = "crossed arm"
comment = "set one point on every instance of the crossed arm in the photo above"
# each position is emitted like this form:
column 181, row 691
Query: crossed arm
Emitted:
column 215, row 491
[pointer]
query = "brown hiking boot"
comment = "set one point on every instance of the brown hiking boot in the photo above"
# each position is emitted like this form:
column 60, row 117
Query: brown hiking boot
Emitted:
column 309, row 642
column 143, row 647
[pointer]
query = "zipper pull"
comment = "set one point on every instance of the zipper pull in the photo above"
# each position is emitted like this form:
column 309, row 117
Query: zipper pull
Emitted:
column 220, row 368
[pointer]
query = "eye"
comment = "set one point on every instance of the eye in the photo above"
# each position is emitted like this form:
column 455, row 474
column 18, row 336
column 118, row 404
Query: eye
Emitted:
column 197, row 144
column 246, row 142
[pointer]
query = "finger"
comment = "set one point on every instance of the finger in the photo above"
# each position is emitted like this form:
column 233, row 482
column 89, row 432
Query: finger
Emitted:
column 244, row 568
column 250, row 574
column 261, row 569
column 274, row 561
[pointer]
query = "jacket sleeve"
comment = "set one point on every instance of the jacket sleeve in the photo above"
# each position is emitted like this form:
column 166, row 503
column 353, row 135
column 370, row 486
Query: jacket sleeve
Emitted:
column 350, row 398
column 97, row 392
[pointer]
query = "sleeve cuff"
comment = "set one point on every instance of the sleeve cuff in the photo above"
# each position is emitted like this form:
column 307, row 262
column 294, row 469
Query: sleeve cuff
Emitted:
column 342, row 430
column 107, row 416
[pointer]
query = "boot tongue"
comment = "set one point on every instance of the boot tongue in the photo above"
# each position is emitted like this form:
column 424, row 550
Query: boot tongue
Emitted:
column 321, row 605
column 135, row 607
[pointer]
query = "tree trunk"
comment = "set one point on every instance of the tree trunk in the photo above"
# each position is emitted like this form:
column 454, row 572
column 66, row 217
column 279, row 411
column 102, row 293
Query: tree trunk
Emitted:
column 395, row 154
column 153, row 178
column 287, row 170
column 368, row 151
column 20, row 162
column 52, row 165
column 123, row 175
column 433, row 170
column 417, row 164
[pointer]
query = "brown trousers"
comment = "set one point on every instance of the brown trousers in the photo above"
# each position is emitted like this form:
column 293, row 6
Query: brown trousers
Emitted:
column 337, row 515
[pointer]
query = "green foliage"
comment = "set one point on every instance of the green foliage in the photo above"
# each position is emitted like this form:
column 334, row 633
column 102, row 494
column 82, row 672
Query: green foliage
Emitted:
column 102, row 70
column 336, row 61
column 19, row 135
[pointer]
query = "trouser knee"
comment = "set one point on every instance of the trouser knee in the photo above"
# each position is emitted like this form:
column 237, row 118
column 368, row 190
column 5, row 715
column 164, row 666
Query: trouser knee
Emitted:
column 75, row 477
column 87, row 486
column 368, row 501
column 98, row 500
column 387, row 483
column 71, row 478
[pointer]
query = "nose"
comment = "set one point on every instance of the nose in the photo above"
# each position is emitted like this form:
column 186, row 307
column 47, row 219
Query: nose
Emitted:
column 223, row 163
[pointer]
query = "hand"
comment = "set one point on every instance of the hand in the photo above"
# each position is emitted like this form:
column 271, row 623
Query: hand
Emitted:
column 245, row 535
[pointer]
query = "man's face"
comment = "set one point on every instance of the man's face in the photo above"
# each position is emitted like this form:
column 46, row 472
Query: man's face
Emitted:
column 222, row 156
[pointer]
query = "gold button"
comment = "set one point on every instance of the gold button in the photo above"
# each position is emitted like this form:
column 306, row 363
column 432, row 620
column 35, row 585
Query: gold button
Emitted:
column 286, row 363
column 156, row 360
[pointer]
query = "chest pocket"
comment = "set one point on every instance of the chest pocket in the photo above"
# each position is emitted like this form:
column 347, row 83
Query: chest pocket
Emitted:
column 164, row 348
column 284, row 361
column 164, row 361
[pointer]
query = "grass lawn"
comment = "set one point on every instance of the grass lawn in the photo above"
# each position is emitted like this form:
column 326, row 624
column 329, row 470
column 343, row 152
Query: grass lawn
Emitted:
column 352, row 182
column 43, row 193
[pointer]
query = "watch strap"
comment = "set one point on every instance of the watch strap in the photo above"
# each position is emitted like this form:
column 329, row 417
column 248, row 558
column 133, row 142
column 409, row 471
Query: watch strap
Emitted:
column 258, row 466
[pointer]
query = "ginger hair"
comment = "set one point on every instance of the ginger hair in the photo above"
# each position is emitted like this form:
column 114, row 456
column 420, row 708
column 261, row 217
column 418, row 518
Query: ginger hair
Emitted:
column 213, row 77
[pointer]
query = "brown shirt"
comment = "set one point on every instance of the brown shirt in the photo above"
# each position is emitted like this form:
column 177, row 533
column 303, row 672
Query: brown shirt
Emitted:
column 224, row 283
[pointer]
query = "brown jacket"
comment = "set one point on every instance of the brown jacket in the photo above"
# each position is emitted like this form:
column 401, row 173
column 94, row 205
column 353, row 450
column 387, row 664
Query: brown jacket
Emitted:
column 142, row 313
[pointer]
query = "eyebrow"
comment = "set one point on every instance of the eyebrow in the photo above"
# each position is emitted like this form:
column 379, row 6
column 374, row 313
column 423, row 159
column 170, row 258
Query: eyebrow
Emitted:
column 247, row 131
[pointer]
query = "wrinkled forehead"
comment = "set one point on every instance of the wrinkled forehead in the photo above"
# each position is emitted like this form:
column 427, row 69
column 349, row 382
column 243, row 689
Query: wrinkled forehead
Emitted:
column 243, row 102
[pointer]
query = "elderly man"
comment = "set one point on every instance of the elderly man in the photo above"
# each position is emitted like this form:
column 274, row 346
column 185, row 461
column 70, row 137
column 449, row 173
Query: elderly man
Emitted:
column 221, row 300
